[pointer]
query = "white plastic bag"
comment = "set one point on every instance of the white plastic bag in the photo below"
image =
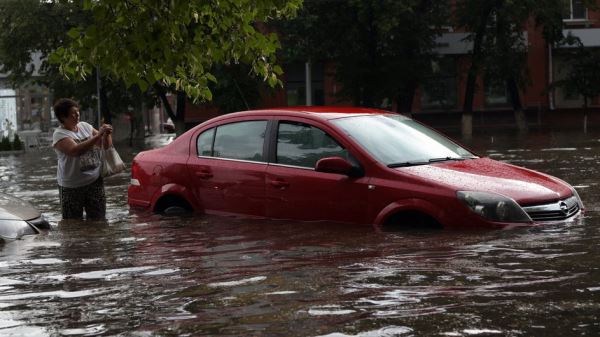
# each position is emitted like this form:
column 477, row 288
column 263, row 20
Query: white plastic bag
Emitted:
column 111, row 163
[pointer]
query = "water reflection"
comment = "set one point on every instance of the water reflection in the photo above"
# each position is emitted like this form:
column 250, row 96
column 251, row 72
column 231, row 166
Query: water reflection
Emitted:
column 142, row 274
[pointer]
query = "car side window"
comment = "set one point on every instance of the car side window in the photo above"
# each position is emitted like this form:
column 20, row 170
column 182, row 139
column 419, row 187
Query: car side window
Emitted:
column 205, row 142
column 241, row 140
column 303, row 145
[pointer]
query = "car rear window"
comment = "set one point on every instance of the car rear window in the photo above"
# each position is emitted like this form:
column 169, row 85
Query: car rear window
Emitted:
column 240, row 140
column 205, row 142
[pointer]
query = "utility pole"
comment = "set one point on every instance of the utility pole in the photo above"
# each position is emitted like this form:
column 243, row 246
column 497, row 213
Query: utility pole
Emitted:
column 98, row 88
column 308, row 71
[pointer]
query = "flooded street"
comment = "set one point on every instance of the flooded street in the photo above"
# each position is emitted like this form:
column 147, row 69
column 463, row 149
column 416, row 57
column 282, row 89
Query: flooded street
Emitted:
column 148, row 275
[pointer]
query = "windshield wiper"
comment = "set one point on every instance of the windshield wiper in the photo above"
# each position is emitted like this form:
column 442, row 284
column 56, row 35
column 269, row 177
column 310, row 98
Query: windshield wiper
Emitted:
column 435, row 160
column 429, row 161
column 407, row 163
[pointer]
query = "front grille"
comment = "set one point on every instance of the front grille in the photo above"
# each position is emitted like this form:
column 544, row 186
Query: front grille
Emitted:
column 559, row 210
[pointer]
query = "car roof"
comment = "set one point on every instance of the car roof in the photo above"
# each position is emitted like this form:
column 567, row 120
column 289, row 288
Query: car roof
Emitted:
column 325, row 112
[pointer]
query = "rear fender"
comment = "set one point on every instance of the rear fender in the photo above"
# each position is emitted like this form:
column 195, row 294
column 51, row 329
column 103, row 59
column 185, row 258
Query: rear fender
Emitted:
column 404, row 205
column 176, row 190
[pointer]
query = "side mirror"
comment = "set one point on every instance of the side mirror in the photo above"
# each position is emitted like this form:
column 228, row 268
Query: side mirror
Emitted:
column 337, row 165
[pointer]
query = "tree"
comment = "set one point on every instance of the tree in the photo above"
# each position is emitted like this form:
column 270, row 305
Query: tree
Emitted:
column 500, row 47
column 171, row 46
column 33, row 28
column 235, row 90
column 382, row 48
column 583, row 76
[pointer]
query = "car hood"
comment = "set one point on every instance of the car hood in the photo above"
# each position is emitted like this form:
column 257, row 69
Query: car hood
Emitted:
column 525, row 186
column 12, row 208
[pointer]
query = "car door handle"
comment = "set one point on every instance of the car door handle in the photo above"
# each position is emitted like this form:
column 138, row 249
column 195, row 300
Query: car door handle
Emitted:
column 281, row 184
column 203, row 174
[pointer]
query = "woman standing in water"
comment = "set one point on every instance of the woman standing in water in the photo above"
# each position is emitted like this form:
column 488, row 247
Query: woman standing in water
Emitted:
column 77, row 145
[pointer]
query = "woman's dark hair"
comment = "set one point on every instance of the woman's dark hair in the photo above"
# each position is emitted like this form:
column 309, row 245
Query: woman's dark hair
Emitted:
column 62, row 108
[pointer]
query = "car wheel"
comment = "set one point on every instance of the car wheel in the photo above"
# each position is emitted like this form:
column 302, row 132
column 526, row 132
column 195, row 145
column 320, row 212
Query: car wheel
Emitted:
column 411, row 220
column 172, row 205
column 175, row 210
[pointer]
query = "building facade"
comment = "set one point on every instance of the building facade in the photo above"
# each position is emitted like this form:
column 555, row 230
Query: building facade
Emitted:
column 25, row 108
column 441, row 97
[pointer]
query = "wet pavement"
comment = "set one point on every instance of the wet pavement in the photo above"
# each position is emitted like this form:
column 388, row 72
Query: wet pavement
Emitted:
column 147, row 275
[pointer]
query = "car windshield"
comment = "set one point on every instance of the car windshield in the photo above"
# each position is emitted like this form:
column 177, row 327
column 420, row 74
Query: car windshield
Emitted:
column 397, row 141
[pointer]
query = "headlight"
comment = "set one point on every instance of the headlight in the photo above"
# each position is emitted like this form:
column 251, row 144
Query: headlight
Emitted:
column 494, row 207
column 15, row 229
column 577, row 196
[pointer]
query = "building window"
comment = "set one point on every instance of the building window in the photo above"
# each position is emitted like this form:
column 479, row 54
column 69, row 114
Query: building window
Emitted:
column 496, row 94
column 564, row 96
column 575, row 10
column 296, row 84
column 440, row 89
column 8, row 112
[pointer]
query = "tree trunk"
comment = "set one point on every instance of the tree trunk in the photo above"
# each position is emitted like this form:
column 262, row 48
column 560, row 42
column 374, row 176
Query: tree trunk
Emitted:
column 467, row 126
column 105, row 110
column 515, row 98
column 160, row 90
column 179, row 121
column 368, row 95
column 406, row 99
column 476, row 59
column 138, row 122
column 585, row 114
column 177, row 117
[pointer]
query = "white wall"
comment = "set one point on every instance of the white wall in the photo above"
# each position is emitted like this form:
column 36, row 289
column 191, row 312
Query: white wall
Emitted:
column 8, row 111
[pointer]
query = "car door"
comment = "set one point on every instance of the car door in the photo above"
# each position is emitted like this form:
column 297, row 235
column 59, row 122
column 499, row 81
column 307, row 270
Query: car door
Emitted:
column 229, row 169
column 296, row 191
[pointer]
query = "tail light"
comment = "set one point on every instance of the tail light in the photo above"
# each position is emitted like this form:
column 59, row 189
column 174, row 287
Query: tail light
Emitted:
column 135, row 170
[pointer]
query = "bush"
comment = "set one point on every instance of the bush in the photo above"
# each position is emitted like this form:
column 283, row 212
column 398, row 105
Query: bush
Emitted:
column 5, row 144
column 17, row 144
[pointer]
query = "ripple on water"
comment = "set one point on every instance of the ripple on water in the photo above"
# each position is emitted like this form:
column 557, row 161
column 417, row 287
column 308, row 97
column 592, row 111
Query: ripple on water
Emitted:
column 26, row 330
column 9, row 282
column 47, row 261
column 151, row 275
column 161, row 272
column 388, row 331
column 237, row 282
column 52, row 294
column 89, row 330
column 107, row 274
column 560, row 149
column 9, row 323
column 326, row 310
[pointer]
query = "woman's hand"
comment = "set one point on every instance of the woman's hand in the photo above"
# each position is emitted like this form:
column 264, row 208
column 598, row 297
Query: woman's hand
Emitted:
column 105, row 129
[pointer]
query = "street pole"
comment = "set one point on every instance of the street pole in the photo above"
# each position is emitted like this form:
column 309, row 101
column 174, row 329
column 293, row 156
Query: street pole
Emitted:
column 98, row 87
column 308, row 79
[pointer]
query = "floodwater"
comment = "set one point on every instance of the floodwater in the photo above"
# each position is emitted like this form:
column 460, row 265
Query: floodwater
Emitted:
column 147, row 275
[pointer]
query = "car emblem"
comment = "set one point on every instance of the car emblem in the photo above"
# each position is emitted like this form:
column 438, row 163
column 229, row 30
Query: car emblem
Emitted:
column 564, row 208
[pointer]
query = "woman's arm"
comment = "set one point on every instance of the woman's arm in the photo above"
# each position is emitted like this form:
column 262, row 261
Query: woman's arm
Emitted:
column 107, row 139
column 69, row 147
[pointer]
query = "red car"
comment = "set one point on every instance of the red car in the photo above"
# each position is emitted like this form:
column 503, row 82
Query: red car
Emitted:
column 345, row 165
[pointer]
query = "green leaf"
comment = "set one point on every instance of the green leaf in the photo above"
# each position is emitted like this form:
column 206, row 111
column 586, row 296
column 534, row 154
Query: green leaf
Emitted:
column 185, row 45
column 211, row 77
column 142, row 84
column 74, row 33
